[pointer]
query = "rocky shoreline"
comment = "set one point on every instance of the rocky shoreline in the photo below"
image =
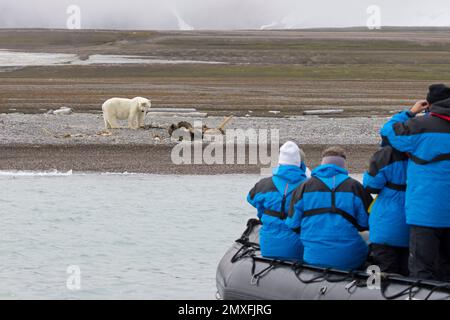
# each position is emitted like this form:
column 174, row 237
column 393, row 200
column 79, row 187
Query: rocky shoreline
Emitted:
column 78, row 142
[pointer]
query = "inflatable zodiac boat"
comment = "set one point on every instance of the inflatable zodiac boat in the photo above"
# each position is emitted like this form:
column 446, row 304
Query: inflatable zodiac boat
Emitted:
column 244, row 274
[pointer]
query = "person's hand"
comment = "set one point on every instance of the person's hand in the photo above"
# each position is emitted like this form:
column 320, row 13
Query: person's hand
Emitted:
column 419, row 107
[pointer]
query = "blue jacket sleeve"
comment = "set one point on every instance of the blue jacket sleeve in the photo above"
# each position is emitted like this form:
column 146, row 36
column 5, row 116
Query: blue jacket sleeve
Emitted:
column 296, row 208
column 362, row 214
column 374, row 184
column 294, row 221
column 404, row 143
column 257, row 201
column 361, row 206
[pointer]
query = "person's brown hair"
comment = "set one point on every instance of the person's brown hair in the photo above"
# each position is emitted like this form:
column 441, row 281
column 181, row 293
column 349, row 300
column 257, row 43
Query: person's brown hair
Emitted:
column 334, row 152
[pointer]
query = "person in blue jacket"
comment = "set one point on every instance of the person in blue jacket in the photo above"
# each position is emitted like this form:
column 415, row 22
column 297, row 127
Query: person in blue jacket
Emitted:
column 426, row 139
column 331, row 210
column 389, row 233
column 271, row 197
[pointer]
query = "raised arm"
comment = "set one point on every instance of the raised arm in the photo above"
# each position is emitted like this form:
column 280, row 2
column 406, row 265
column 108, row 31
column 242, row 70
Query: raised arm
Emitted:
column 376, row 178
column 397, row 130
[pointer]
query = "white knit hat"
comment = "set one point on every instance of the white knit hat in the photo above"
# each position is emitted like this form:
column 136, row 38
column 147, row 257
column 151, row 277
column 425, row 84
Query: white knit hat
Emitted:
column 290, row 154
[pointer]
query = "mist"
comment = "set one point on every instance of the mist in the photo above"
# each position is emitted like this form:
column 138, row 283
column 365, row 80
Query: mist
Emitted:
column 221, row 14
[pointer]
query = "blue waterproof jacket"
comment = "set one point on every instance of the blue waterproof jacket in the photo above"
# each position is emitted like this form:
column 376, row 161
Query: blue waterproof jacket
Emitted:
column 387, row 178
column 276, row 239
column 426, row 139
column 331, row 209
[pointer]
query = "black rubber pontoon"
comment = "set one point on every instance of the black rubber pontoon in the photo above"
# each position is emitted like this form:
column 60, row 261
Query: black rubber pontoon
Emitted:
column 244, row 274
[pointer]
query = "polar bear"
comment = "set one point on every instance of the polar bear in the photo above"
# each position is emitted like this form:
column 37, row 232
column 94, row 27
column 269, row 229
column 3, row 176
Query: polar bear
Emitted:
column 121, row 108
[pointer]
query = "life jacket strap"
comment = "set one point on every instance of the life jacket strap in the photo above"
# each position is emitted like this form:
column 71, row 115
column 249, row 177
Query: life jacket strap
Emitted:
column 276, row 214
column 280, row 214
column 441, row 157
column 396, row 187
column 345, row 215
column 334, row 210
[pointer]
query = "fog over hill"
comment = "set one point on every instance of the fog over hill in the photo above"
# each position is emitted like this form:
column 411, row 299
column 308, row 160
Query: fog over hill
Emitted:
column 221, row 14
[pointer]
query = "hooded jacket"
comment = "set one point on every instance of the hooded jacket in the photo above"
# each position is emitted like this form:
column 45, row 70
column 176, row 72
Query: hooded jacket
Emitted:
column 331, row 209
column 387, row 178
column 426, row 139
column 276, row 239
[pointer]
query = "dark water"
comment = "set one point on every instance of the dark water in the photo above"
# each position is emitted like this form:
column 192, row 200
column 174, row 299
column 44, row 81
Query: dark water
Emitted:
column 131, row 236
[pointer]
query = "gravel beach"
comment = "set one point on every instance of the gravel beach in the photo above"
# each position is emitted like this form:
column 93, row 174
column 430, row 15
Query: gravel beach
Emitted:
column 79, row 142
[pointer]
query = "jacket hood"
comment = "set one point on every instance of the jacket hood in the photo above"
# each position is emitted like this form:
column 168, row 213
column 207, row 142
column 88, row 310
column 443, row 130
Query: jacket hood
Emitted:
column 331, row 175
column 441, row 107
column 293, row 175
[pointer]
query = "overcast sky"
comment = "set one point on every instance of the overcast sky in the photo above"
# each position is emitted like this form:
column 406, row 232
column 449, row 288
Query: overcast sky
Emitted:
column 221, row 14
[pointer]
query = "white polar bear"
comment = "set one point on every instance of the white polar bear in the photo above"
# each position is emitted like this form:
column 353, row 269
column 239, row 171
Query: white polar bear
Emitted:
column 121, row 109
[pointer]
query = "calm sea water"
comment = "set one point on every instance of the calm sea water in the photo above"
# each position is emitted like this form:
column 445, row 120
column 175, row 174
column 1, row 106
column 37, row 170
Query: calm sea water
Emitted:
column 132, row 236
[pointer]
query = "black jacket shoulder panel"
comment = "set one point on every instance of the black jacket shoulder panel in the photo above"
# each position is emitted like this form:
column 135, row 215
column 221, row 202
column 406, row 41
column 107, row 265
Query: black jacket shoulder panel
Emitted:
column 441, row 107
column 355, row 187
column 315, row 185
column 384, row 157
column 297, row 195
column 263, row 186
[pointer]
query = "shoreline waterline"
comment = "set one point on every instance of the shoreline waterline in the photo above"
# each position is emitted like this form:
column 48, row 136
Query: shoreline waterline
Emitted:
column 56, row 173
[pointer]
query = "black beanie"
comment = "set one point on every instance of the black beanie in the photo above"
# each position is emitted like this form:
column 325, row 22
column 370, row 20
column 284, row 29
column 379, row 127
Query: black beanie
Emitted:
column 438, row 92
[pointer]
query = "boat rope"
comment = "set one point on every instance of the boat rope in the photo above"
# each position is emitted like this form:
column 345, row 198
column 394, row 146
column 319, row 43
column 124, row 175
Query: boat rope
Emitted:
column 243, row 251
column 298, row 268
column 251, row 224
column 350, row 276
column 445, row 286
column 257, row 276
column 411, row 291
column 248, row 248
column 327, row 275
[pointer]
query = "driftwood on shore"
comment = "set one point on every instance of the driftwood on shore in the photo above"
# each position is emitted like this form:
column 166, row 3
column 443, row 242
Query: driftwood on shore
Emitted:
column 183, row 112
column 61, row 111
column 152, row 126
column 205, row 130
column 323, row 111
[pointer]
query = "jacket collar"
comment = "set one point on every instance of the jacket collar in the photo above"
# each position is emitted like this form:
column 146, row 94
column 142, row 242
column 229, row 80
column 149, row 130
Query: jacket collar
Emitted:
column 289, row 173
column 330, row 174
column 328, row 170
column 440, row 116
column 441, row 108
